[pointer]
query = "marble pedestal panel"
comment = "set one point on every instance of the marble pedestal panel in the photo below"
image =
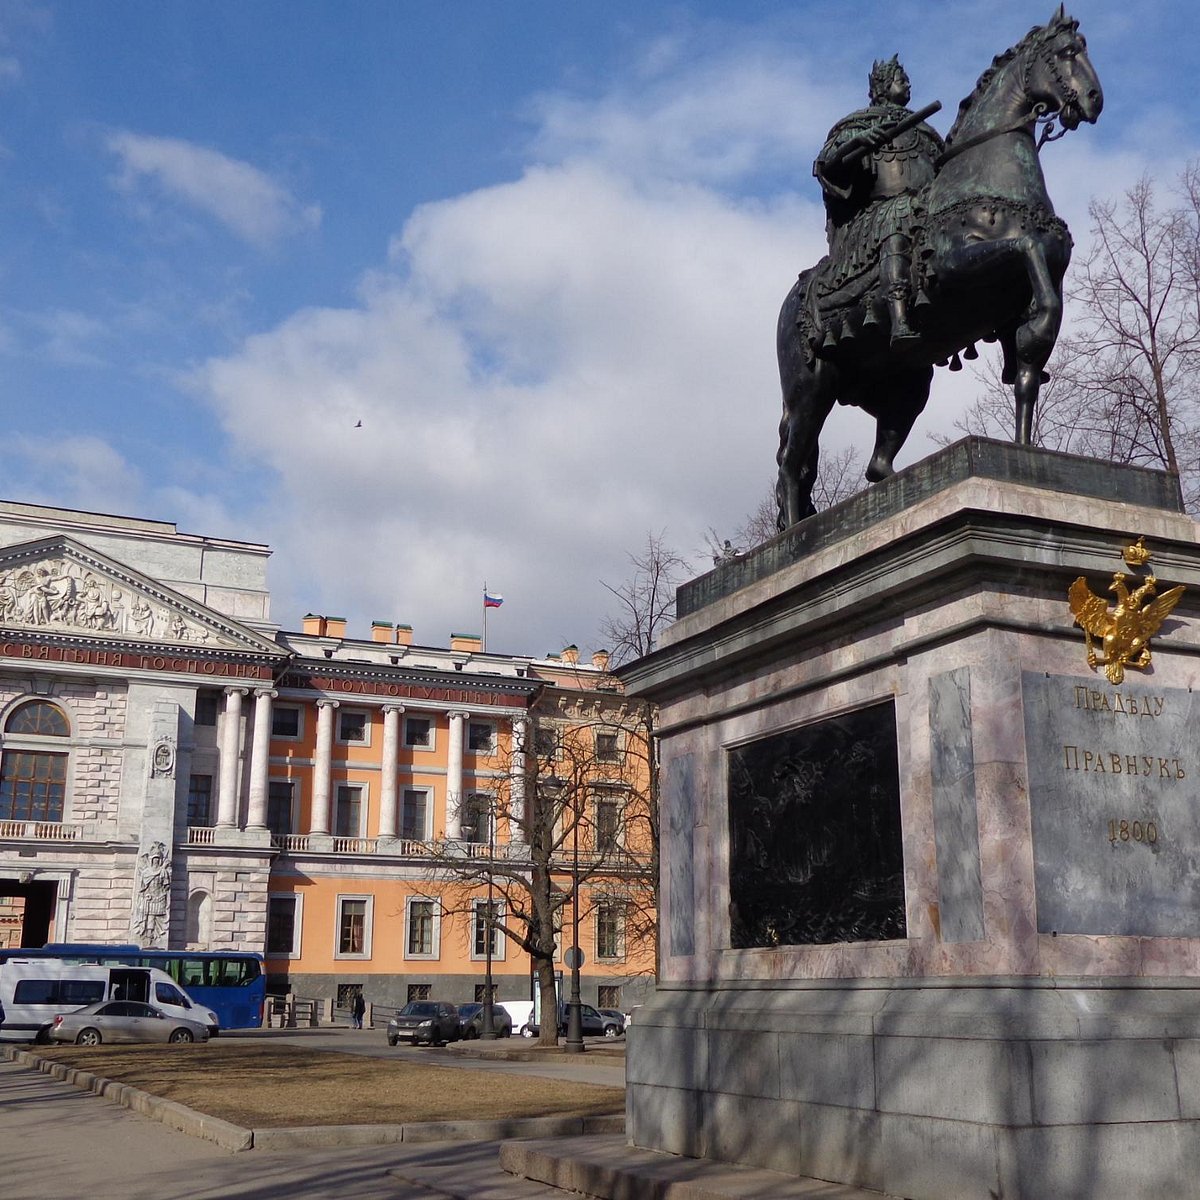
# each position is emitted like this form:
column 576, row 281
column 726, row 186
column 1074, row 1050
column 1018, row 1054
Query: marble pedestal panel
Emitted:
column 1026, row 1026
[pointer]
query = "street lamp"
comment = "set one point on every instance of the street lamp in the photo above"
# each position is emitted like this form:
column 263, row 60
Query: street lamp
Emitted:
column 574, row 956
column 487, row 1023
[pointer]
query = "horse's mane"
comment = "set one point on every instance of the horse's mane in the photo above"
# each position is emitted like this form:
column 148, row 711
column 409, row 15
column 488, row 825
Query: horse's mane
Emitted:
column 1037, row 35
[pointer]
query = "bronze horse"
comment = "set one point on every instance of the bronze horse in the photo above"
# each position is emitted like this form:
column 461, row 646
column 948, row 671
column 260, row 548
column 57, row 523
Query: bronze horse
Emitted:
column 988, row 265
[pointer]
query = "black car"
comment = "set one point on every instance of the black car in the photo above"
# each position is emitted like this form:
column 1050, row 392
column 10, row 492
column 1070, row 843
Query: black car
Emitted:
column 593, row 1023
column 470, row 1021
column 431, row 1021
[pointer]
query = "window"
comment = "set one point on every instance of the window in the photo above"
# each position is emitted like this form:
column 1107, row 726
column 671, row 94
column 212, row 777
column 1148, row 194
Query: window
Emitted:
column 610, row 930
column 481, row 737
column 609, row 812
column 545, row 741
column 481, row 991
column 33, row 781
column 608, row 995
column 208, row 704
column 418, row 732
column 419, row 991
column 414, row 815
column 283, row 925
column 200, row 789
column 421, row 940
column 477, row 817
column 353, row 726
column 354, row 927
column 608, row 747
column 481, row 926
column 351, row 810
column 280, row 806
column 285, row 721
column 347, row 993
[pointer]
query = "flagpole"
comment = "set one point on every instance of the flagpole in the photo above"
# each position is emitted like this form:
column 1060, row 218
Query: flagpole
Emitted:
column 483, row 644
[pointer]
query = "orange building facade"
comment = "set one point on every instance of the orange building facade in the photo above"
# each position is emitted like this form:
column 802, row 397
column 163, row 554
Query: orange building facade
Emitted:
column 342, row 805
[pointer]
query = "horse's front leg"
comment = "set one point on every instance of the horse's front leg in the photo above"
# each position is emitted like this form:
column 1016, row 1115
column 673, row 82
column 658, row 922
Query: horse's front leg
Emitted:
column 808, row 398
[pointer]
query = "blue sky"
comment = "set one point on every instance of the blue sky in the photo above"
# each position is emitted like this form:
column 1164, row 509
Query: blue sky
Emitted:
column 537, row 249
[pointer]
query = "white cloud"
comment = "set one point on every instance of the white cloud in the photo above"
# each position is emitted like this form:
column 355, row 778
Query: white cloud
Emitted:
column 248, row 201
column 548, row 368
column 72, row 472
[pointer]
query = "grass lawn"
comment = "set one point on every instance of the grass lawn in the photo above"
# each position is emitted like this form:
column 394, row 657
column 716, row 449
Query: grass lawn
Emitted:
column 267, row 1086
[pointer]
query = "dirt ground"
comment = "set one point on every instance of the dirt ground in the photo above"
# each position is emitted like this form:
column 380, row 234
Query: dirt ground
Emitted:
column 268, row 1086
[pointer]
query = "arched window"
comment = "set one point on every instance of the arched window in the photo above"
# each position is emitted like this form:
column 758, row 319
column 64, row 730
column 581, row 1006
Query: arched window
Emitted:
column 33, row 781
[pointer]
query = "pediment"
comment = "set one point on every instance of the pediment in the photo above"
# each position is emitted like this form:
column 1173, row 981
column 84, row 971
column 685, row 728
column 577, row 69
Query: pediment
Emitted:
column 57, row 585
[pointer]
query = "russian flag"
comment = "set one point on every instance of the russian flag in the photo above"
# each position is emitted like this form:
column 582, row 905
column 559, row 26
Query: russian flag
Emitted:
column 492, row 601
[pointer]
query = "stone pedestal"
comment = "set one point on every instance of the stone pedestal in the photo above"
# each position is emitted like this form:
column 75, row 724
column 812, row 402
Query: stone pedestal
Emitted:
column 930, row 893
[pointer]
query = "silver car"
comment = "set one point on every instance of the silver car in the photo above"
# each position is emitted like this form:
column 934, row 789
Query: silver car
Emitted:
column 124, row 1021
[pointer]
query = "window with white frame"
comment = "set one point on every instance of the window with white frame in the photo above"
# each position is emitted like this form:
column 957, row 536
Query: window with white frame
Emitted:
column 354, row 726
column 200, row 795
column 281, row 807
column 546, row 742
column 478, row 816
column 284, row 912
column 481, row 737
column 481, row 926
column 33, row 768
column 610, row 930
column 353, row 927
column 418, row 733
column 415, row 810
column 287, row 721
column 608, row 746
column 609, row 817
column 422, row 927
column 350, row 819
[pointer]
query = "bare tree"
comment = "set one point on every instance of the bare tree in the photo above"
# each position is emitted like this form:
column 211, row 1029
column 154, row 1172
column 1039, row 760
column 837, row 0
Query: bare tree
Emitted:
column 569, row 836
column 1124, row 380
column 645, row 601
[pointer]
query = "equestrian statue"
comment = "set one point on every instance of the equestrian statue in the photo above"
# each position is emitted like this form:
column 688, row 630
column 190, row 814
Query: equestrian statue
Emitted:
column 933, row 246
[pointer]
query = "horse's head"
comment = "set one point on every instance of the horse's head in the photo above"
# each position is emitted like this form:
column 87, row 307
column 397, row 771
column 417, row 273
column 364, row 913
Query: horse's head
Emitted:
column 1059, row 76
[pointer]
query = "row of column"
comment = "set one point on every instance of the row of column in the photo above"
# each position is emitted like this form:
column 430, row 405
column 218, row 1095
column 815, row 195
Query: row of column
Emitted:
column 322, row 787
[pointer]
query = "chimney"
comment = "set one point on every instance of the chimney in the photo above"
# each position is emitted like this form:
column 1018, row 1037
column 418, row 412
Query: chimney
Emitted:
column 570, row 655
column 381, row 631
column 335, row 627
column 403, row 635
column 600, row 660
column 469, row 643
column 314, row 625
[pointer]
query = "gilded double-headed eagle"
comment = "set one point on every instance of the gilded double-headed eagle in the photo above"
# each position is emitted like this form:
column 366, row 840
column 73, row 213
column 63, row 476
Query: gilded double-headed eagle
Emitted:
column 1124, row 633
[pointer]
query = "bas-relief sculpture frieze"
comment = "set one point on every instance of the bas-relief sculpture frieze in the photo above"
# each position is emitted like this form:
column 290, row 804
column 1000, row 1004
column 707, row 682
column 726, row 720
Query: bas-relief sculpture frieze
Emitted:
column 933, row 246
column 1112, row 793
column 815, row 852
column 60, row 594
column 152, row 897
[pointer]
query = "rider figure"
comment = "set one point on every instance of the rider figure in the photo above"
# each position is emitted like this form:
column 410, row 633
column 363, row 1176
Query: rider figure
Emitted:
column 870, row 189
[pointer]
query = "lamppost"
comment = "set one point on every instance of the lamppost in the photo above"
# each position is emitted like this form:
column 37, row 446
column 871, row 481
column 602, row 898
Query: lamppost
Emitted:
column 574, row 956
column 487, row 1022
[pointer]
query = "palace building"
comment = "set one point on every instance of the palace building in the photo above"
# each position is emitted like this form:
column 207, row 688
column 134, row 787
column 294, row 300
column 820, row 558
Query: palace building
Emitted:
column 177, row 771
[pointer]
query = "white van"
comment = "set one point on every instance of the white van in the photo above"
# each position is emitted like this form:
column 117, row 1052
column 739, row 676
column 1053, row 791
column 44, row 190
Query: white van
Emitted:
column 521, row 1012
column 33, row 991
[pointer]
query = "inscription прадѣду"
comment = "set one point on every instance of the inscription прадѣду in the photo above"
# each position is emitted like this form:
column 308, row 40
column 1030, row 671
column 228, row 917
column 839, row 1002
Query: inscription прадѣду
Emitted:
column 1115, row 824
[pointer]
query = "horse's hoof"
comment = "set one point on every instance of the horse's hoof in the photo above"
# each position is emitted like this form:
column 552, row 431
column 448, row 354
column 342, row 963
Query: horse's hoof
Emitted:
column 878, row 470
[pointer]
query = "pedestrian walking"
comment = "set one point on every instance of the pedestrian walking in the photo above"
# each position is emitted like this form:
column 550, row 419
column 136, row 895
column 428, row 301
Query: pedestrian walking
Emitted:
column 360, row 1008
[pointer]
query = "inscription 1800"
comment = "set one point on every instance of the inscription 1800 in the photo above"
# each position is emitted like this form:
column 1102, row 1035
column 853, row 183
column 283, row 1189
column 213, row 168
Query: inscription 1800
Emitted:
column 1115, row 826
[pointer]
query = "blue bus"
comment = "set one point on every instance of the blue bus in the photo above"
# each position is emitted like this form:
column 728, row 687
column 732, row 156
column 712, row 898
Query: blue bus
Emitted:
column 230, row 982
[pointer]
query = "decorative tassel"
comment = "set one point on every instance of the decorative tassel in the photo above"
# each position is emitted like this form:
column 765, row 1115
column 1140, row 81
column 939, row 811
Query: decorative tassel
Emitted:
column 971, row 352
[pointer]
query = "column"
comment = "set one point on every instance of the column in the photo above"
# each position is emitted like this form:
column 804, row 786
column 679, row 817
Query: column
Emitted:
column 388, row 787
column 231, row 745
column 260, row 759
column 516, row 781
column 454, row 776
column 322, row 767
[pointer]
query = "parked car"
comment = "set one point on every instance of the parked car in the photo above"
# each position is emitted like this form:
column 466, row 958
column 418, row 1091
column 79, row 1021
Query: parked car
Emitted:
column 470, row 1021
column 594, row 1025
column 431, row 1021
column 615, row 1015
column 124, row 1021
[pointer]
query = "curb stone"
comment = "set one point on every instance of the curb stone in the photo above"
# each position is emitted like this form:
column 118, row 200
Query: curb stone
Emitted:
column 234, row 1137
